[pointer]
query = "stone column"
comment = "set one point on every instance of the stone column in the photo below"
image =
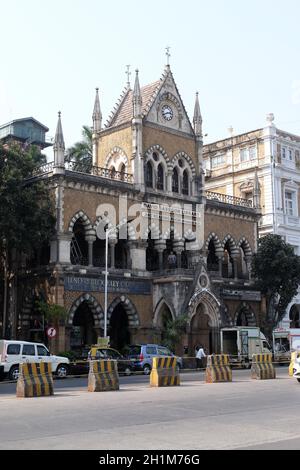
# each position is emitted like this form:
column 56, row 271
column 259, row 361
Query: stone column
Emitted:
column 90, row 239
column 137, row 249
column 235, row 267
column 178, row 246
column 111, row 246
column 60, row 251
column 169, row 181
column 160, row 246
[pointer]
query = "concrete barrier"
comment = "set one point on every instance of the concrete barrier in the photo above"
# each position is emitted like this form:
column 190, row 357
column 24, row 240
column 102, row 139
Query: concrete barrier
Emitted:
column 294, row 356
column 262, row 367
column 103, row 376
column 164, row 372
column 35, row 380
column 218, row 369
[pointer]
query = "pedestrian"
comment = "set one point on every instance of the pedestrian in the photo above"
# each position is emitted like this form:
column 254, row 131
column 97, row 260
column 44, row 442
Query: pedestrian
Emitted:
column 199, row 356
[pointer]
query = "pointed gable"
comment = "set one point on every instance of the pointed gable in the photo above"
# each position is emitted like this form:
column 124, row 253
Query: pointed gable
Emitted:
column 163, row 92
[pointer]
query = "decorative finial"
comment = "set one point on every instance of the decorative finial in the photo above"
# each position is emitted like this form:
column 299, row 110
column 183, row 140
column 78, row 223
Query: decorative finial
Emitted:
column 59, row 114
column 168, row 55
column 128, row 73
column 270, row 119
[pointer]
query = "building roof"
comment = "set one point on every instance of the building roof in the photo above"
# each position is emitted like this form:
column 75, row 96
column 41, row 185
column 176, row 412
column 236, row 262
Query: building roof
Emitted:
column 23, row 120
column 123, row 111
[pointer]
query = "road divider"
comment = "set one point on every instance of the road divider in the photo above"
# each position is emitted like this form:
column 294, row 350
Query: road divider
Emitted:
column 103, row 376
column 262, row 367
column 35, row 380
column 165, row 372
column 218, row 369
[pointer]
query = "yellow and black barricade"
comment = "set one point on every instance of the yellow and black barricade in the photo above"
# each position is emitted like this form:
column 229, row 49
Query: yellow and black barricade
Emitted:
column 294, row 356
column 103, row 376
column 218, row 369
column 35, row 380
column 262, row 367
column 164, row 372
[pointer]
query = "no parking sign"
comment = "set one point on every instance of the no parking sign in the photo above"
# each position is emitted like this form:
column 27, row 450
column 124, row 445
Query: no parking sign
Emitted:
column 51, row 332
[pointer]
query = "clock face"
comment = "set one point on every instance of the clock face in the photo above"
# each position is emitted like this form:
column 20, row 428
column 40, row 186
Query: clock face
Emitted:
column 167, row 112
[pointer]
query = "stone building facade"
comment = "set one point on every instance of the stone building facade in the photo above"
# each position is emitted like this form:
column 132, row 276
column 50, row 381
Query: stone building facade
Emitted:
column 262, row 166
column 183, row 250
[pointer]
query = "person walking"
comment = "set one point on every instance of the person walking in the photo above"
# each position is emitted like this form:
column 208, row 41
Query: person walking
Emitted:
column 199, row 356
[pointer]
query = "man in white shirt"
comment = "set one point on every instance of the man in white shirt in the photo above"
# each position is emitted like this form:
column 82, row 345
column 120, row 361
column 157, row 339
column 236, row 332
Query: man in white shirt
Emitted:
column 200, row 354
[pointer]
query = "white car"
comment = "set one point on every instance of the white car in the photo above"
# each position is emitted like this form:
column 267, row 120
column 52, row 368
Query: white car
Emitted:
column 12, row 353
column 296, row 370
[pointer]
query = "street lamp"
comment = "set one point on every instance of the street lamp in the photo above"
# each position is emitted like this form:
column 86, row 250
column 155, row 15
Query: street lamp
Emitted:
column 108, row 231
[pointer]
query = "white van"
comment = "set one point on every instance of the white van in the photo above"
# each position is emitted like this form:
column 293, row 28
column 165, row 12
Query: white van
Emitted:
column 12, row 353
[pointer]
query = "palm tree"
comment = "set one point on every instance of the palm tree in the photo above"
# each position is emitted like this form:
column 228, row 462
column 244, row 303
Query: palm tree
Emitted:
column 81, row 153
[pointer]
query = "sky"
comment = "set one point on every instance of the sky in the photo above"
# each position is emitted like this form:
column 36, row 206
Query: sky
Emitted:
column 241, row 56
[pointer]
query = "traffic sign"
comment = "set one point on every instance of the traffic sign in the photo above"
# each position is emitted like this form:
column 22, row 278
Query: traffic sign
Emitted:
column 51, row 332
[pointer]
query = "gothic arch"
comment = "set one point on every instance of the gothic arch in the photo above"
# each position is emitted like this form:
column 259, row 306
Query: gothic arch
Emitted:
column 129, row 307
column 212, row 307
column 117, row 157
column 213, row 237
column 95, row 307
column 157, row 148
column 190, row 164
column 232, row 244
column 245, row 245
column 248, row 312
column 85, row 220
column 157, row 311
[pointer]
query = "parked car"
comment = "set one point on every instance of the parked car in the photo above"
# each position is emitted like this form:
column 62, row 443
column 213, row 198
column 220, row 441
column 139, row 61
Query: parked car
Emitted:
column 142, row 356
column 125, row 366
column 12, row 353
column 296, row 370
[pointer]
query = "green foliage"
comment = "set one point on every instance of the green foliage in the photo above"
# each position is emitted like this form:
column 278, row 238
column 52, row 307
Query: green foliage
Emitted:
column 53, row 313
column 81, row 152
column 26, row 210
column 277, row 272
column 174, row 330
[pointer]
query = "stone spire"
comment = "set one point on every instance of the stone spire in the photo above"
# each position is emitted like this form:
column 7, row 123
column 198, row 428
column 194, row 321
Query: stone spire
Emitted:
column 97, row 116
column 59, row 145
column 137, row 135
column 197, row 119
column 137, row 97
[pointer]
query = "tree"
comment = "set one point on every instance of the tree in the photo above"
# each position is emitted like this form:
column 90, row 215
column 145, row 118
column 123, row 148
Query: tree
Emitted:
column 26, row 211
column 174, row 331
column 81, row 153
column 277, row 272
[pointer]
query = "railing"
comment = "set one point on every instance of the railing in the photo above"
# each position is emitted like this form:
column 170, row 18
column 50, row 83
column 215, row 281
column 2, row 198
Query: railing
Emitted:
column 111, row 174
column 43, row 169
column 225, row 198
column 82, row 168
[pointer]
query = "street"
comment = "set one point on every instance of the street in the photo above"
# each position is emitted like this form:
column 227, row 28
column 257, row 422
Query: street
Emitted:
column 239, row 415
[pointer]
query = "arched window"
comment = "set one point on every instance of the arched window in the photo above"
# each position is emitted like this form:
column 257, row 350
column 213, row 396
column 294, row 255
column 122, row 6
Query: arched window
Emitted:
column 175, row 187
column 149, row 175
column 160, row 177
column 212, row 259
column 185, row 183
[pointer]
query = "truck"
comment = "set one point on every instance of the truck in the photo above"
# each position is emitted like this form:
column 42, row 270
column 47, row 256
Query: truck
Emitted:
column 285, row 341
column 240, row 342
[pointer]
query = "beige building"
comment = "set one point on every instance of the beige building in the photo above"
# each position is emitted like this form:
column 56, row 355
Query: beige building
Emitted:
column 262, row 166
column 190, row 252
